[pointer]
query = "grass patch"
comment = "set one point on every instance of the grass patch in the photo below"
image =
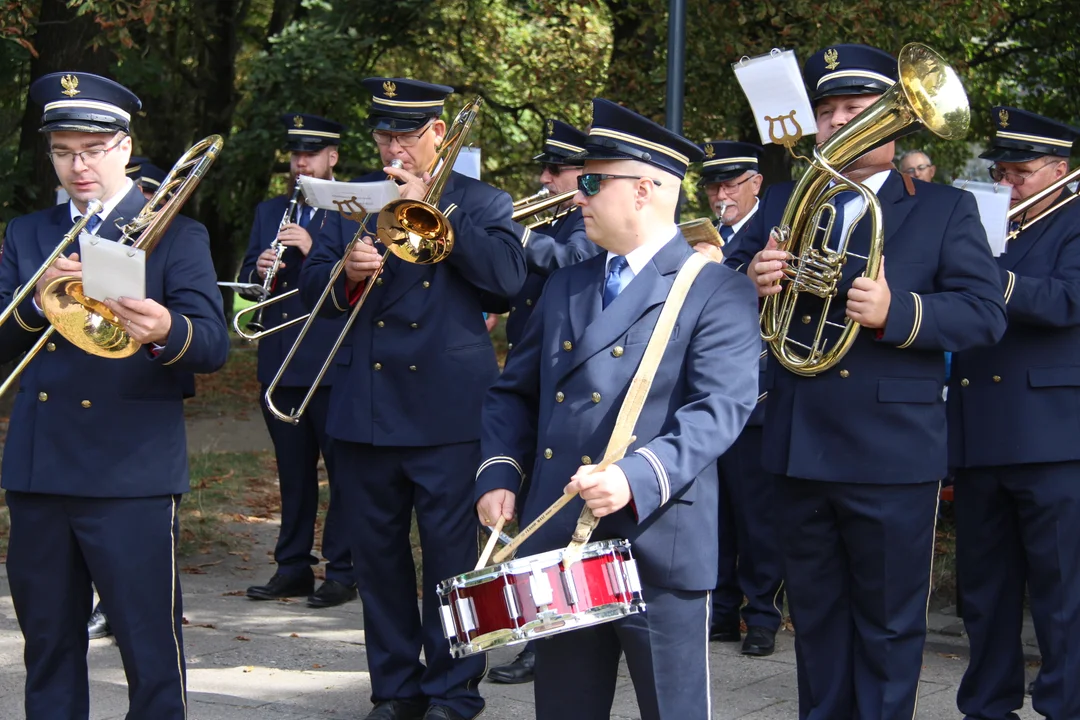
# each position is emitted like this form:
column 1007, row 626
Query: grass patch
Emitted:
column 232, row 391
column 226, row 488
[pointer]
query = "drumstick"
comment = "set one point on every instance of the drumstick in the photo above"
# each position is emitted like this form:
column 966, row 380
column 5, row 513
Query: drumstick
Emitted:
column 535, row 525
column 495, row 532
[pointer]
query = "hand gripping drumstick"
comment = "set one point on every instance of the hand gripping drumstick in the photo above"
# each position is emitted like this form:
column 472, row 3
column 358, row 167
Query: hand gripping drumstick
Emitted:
column 536, row 524
column 495, row 532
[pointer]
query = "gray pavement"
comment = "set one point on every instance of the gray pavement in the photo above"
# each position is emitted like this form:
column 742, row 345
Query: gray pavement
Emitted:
column 284, row 661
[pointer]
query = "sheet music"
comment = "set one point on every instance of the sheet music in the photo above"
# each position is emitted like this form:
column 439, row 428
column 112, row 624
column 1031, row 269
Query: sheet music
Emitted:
column 774, row 86
column 111, row 270
column 372, row 196
column 994, row 201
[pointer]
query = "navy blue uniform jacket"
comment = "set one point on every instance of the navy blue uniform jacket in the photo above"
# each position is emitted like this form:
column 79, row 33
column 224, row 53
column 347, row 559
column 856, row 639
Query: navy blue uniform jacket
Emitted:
column 1019, row 401
column 416, row 363
column 554, row 408
column 545, row 252
column 95, row 427
column 878, row 416
column 272, row 349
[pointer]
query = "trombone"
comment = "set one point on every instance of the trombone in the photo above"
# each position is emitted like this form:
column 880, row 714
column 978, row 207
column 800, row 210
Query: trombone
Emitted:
column 538, row 195
column 1021, row 208
column 259, row 332
column 527, row 207
column 415, row 231
column 89, row 324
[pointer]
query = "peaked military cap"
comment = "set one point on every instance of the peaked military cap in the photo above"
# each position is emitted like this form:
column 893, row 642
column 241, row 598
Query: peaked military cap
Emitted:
column 1020, row 136
column 310, row 133
column 560, row 142
column 144, row 173
column 727, row 159
column 620, row 134
column 81, row 102
column 849, row 70
column 401, row 105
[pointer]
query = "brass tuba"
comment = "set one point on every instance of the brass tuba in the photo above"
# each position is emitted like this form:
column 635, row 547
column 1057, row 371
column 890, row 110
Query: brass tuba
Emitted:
column 928, row 92
column 88, row 323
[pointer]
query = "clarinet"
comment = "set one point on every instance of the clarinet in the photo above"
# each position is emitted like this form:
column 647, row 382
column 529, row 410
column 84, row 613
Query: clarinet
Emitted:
column 279, row 252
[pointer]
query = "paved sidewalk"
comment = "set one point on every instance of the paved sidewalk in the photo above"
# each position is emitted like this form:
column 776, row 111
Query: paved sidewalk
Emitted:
column 283, row 661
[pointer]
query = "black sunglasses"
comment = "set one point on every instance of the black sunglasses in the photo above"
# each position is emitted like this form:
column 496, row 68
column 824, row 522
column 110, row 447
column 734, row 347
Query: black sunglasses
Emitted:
column 589, row 183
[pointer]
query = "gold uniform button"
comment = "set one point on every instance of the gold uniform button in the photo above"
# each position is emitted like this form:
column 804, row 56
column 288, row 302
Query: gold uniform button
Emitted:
column 85, row 403
column 529, row 302
column 996, row 378
column 284, row 285
column 844, row 373
column 379, row 282
column 427, row 284
column 547, row 454
column 559, row 396
column 567, row 345
column 509, row 346
column 586, row 460
column 596, row 397
column 51, row 347
column 412, row 368
column 964, row 382
column 414, row 326
column 378, row 366
column 380, row 324
column 42, row 396
column 806, row 319
column 513, row 308
column 617, row 351
column 284, row 316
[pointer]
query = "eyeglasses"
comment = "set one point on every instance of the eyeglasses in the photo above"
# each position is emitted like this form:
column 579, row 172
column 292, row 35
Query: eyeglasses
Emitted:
column 916, row 169
column 89, row 157
column 383, row 139
column 731, row 187
column 997, row 174
column 589, row 183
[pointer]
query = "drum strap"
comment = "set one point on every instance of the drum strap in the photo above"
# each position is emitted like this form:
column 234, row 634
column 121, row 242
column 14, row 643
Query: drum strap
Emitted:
column 635, row 398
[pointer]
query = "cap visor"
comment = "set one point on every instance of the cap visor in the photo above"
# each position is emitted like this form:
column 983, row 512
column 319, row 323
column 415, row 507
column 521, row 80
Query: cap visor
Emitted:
column 80, row 126
column 553, row 159
column 850, row 86
column 721, row 176
column 1000, row 154
column 377, row 122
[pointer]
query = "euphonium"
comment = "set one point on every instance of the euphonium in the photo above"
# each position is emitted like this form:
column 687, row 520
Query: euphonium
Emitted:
column 928, row 92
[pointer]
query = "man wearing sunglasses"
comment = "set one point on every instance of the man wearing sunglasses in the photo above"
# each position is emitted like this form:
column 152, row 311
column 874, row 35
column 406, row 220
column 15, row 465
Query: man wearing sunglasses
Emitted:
column 95, row 462
column 404, row 412
column 555, row 245
column 553, row 411
column 1013, row 425
column 861, row 447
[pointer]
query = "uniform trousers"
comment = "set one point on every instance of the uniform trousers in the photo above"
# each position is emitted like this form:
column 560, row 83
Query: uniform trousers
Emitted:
column 1018, row 526
column 750, row 562
column 127, row 546
column 857, row 563
column 380, row 489
column 297, row 449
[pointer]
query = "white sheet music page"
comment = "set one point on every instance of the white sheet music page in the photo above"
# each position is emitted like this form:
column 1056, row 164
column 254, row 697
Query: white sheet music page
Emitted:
column 994, row 201
column 774, row 86
column 331, row 195
column 111, row 270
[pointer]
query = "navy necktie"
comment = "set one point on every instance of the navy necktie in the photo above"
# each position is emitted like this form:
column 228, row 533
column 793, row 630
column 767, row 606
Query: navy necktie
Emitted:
column 613, row 284
column 839, row 202
column 726, row 232
column 92, row 224
column 302, row 219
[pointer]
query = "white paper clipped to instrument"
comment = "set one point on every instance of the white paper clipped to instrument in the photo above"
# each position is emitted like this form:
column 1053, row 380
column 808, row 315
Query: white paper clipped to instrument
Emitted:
column 994, row 201
column 111, row 270
column 371, row 196
column 774, row 86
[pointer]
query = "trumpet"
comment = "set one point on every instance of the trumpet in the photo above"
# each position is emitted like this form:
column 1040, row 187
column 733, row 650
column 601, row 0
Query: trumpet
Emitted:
column 279, row 251
column 89, row 324
column 539, row 206
column 257, row 333
column 415, row 231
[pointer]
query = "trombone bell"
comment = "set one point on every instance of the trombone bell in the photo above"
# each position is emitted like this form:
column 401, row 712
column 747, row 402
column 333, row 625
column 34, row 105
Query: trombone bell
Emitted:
column 415, row 231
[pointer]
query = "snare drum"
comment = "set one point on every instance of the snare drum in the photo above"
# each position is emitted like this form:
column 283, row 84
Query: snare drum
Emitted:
column 533, row 596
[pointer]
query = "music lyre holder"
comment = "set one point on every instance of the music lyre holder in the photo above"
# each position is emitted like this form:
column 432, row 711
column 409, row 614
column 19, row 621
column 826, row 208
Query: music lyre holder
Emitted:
column 351, row 209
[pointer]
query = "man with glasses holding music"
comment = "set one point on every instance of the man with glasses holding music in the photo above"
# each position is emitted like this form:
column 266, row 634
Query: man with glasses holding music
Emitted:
column 312, row 143
column 95, row 461
column 1013, row 426
column 405, row 409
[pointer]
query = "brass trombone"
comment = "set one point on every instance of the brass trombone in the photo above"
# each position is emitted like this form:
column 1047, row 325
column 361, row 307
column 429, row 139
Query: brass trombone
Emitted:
column 539, row 206
column 415, row 231
column 85, row 322
column 538, row 195
column 1019, row 210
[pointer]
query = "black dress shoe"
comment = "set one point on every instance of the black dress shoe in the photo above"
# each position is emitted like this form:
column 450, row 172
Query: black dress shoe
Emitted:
column 398, row 710
column 520, row 670
column 332, row 593
column 725, row 631
column 759, row 642
column 283, row 586
column 441, row 712
column 98, row 626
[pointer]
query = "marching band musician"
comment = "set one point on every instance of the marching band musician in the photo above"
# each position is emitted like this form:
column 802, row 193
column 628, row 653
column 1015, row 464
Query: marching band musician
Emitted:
column 861, row 447
column 312, row 143
column 95, row 462
column 405, row 412
column 553, row 409
column 558, row 244
column 1013, row 426
column 145, row 174
column 749, row 553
